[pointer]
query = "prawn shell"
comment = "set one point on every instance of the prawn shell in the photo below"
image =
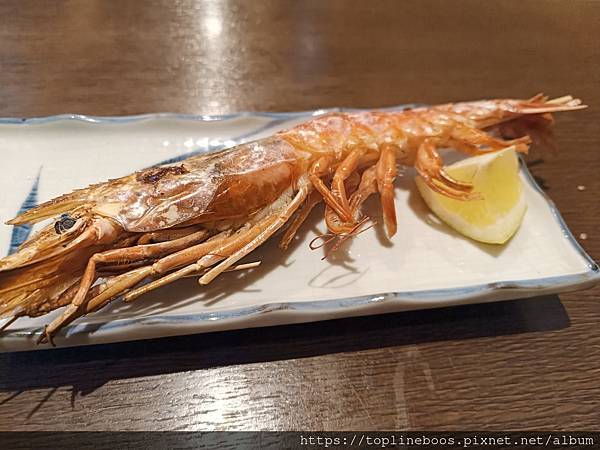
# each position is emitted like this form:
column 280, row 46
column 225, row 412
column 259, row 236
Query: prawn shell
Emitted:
column 232, row 183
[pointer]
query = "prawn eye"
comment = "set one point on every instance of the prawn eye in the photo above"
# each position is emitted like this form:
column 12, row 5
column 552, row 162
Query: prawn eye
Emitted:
column 63, row 224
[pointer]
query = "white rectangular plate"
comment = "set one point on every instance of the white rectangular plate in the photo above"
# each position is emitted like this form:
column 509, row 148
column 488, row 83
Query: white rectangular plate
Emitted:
column 425, row 265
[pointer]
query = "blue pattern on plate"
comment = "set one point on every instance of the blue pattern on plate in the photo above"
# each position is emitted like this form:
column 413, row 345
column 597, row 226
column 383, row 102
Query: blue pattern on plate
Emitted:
column 20, row 233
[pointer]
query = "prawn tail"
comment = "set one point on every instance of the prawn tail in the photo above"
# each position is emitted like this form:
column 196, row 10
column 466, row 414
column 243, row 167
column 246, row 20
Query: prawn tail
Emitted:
column 515, row 119
column 489, row 113
column 540, row 104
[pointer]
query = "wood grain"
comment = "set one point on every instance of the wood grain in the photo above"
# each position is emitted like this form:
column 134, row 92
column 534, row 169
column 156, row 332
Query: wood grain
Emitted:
column 529, row 364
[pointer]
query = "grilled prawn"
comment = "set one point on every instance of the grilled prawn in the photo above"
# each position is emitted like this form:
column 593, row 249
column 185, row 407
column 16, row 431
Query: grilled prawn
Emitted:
column 203, row 215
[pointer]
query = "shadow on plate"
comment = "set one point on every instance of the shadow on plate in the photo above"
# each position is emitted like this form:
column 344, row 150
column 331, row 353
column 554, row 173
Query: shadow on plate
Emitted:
column 88, row 368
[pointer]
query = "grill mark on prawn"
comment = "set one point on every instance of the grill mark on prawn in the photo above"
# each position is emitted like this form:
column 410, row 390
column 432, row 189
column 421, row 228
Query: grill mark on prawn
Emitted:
column 155, row 174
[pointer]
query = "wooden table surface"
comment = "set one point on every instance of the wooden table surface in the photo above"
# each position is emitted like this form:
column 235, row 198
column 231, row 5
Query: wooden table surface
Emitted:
column 524, row 364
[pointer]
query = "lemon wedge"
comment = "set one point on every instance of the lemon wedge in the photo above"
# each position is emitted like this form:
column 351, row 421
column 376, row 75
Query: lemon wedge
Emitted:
column 495, row 217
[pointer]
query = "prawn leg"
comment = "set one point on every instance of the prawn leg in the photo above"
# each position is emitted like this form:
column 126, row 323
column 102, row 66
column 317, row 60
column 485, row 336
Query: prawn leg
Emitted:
column 346, row 223
column 314, row 198
column 386, row 174
column 114, row 256
column 344, row 170
column 167, row 235
column 121, row 283
column 231, row 250
column 203, row 258
column 377, row 178
column 429, row 165
column 366, row 186
column 280, row 219
column 470, row 140
column 320, row 168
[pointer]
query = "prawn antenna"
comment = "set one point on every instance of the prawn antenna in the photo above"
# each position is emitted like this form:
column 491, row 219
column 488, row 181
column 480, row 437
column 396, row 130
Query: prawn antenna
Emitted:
column 339, row 239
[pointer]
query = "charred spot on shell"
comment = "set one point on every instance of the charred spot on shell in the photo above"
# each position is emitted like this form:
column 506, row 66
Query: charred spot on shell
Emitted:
column 63, row 224
column 154, row 175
